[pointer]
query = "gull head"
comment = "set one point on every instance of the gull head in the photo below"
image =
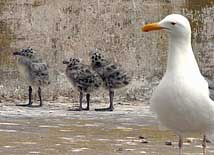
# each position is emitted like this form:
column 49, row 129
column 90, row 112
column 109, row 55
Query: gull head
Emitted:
column 72, row 62
column 177, row 26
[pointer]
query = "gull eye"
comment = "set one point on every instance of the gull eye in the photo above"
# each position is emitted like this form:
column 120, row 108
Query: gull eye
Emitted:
column 173, row 23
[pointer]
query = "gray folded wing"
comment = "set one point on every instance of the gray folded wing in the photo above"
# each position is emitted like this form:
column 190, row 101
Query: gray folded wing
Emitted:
column 83, row 78
column 115, row 76
column 39, row 73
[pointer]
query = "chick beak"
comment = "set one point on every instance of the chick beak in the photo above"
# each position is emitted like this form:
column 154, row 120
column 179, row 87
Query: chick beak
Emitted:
column 65, row 62
column 16, row 53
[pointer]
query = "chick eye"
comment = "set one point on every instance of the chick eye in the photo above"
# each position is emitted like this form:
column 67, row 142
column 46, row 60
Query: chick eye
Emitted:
column 173, row 23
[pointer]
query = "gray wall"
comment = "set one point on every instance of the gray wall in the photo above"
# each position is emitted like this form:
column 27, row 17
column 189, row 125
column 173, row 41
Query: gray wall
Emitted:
column 58, row 29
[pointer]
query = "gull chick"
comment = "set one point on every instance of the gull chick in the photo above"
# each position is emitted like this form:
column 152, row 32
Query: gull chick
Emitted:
column 181, row 100
column 112, row 74
column 211, row 88
column 33, row 71
column 83, row 78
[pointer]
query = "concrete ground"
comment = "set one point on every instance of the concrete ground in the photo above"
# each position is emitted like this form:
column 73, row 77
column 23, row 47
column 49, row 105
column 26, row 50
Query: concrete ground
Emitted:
column 54, row 130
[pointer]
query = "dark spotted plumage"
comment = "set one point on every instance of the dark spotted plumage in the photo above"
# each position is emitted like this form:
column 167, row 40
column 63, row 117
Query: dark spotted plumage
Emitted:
column 33, row 70
column 113, row 75
column 83, row 78
column 211, row 88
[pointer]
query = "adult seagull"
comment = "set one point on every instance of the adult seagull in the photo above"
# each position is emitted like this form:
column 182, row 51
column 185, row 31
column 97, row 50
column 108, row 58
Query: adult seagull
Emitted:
column 181, row 100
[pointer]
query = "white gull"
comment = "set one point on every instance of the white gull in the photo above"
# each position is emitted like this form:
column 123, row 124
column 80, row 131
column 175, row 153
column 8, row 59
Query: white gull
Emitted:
column 181, row 100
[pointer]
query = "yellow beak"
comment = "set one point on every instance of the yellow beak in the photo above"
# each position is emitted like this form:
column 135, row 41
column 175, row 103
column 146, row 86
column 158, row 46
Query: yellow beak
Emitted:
column 151, row 27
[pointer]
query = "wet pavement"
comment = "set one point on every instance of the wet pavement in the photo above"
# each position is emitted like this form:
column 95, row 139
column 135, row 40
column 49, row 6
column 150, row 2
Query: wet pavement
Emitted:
column 59, row 29
column 53, row 130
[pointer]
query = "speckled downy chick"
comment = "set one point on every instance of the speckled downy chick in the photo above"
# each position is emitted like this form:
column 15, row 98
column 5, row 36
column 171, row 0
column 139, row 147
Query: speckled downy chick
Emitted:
column 83, row 78
column 211, row 87
column 33, row 70
column 113, row 75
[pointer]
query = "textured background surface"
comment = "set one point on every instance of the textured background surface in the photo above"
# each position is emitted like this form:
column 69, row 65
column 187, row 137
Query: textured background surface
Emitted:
column 60, row 29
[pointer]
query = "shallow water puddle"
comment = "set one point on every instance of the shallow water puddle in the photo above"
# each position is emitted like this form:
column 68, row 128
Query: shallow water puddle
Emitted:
column 74, row 136
column 61, row 132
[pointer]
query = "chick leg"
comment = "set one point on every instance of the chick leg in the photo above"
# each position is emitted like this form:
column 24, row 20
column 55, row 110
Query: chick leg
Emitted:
column 180, row 145
column 88, row 102
column 80, row 100
column 204, row 145
column 29, row 98
column 111, row 97
column 40, row 96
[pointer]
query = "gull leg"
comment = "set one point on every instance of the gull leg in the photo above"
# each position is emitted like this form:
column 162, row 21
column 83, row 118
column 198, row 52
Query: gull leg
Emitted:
column 40, row 96
column 111, row 97
column 180, row 145
column 88, row 102
column 204, row 145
